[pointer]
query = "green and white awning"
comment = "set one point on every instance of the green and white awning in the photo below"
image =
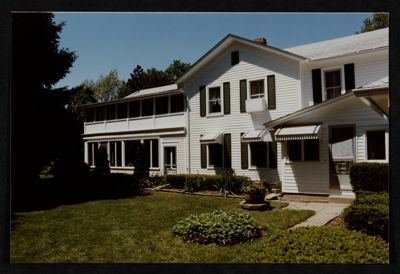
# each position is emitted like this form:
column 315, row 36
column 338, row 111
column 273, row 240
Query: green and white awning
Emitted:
column 212, row 138
column 298, row 133
column 257, row 136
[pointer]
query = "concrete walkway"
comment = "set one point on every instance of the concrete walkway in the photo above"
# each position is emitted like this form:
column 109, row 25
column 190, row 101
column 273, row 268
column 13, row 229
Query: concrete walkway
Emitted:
column 324, row 212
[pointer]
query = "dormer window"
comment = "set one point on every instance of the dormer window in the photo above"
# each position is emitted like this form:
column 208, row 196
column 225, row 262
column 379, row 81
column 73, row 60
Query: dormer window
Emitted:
column 234, row 58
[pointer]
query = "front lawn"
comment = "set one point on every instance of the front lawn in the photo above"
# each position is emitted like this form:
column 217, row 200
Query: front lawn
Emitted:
column 135, row 230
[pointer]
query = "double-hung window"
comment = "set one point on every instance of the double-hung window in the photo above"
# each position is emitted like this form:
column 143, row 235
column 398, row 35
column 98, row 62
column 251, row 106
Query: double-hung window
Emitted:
column 214, row 100
column 333, row 83
column 262, row 155
column 257, row 89
column 215, row 155
column 376, row 145
column 303, row 150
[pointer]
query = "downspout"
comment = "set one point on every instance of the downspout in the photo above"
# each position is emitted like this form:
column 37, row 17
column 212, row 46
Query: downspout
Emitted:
column 188, row 135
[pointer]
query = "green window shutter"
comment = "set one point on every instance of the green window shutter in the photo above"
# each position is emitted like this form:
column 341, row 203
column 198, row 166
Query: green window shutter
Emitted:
column 349, row 80
column 244, row 153
column 203, row 155
column 271, row 92
column 227, row 98
column 202, row 101
column 243, row 95
column 272, row 154
column 317, row 86
column 227, row 151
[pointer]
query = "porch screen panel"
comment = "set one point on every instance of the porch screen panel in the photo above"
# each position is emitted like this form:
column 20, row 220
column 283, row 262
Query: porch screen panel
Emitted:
column 342, row 142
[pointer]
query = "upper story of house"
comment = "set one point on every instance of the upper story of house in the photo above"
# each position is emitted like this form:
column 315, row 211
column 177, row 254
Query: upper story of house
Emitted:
column 242, row 84
column 160, row 109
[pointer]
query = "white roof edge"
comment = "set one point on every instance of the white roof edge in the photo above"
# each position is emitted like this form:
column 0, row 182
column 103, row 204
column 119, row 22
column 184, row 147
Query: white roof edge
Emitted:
column 296, row 114
column 228, row 40
column 153, row 90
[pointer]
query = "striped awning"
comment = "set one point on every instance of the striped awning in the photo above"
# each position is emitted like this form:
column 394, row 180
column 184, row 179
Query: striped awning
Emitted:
column 212, row 138
column 262, row 135
column 298, row 133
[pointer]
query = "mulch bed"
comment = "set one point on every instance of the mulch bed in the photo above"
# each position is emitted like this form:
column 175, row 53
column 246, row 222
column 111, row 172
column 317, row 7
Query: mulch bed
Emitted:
column 338, row 221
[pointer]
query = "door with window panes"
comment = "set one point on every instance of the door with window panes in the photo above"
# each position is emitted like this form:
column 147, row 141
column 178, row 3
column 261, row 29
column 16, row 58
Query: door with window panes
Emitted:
column 170, row 160
column 341, row 146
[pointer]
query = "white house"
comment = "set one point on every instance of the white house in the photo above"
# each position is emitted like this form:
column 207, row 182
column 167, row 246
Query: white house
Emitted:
column 300, row 115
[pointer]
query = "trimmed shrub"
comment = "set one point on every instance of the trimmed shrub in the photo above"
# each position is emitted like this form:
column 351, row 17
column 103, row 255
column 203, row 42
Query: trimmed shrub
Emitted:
column 176, row 181
column 141, row 164
column 369, row 214
column 218, row 227
column 156, row 180
column 323, row 245
column 369, row 176
column 199, row 182
column 101, row 162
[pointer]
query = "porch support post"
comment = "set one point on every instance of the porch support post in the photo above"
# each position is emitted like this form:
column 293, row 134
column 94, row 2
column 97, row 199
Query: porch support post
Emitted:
column 86, row 152
column 108, row 151
column 123, row 153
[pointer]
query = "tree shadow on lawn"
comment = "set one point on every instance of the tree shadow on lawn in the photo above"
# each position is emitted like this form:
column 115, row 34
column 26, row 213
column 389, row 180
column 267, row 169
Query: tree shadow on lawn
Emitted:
column 49, row 193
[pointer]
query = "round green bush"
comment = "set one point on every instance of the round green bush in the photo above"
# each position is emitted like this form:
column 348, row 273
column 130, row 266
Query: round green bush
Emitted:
column 218, row 227
column 326, row 245
column 369, row 214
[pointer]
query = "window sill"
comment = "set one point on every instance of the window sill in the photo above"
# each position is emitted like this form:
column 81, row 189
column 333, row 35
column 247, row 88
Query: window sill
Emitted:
column 305, row 161
column 377, row 161
column 211, row 115
column 214, row 168
column 254, row 168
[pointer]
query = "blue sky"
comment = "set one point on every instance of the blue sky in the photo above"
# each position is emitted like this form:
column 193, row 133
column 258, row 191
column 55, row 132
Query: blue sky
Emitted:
column 106, row 41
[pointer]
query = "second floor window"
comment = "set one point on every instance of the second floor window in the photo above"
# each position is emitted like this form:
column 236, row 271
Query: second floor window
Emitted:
column 333, row 85
column 214, row 100
column 257, row 89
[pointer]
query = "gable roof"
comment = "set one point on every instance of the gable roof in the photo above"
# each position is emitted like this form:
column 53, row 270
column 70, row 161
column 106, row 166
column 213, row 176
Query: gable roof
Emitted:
column 223, row 44
column 352, row 44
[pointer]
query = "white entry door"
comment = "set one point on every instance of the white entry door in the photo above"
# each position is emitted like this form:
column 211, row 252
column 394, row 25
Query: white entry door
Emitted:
column 341, row 144
column 170, row 160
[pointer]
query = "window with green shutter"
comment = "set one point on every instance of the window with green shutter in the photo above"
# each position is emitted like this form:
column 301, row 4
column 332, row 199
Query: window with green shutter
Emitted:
column 271, row 92
column 244, row 153
column 203, row 155
column 202, row 101
column 317, row 86
column 227, row 151
column 227, row 98
column 243, row 95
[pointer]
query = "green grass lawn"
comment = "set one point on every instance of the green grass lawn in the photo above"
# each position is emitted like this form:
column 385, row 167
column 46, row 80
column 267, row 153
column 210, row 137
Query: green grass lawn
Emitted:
column 135, row 230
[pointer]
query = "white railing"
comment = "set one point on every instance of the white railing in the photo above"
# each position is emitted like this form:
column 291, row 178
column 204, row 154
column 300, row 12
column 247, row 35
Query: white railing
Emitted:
column 172, row 120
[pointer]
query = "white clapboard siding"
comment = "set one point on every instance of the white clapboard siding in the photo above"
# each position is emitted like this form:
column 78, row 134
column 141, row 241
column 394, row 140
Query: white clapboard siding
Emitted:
column 313, row 177
column 179, row 142
column 368, row 68
column 253, row 65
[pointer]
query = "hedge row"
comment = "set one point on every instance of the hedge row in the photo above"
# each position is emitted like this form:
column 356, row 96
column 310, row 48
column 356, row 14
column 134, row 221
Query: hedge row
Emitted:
column 369, row 213
column 369, row 176
column 196, row 182
column 323, row 245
